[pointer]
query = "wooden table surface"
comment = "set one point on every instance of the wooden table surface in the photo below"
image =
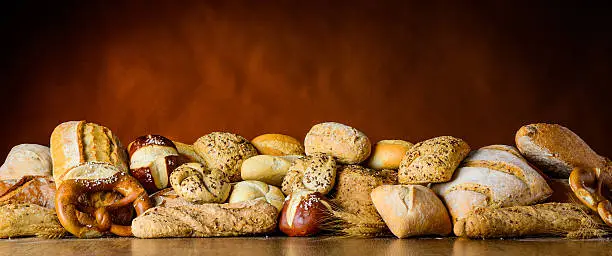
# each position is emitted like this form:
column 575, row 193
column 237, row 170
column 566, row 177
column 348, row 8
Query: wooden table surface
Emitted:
column 303, row 246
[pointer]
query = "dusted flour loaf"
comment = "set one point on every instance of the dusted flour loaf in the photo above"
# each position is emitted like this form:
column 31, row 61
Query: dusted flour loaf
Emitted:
column 550, row 219
column 492, row 176
column 82, row 150
column 225, row 151
column 432, row 161
column 347, row 144
column 257, row 190
column 411, row 210
column 555, row 149
column 26, row 160
column 207, row 220
column 17, row 220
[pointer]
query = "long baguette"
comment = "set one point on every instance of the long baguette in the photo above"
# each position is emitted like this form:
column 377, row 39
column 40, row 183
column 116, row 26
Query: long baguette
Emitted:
column 551, row 219
column 207, row 220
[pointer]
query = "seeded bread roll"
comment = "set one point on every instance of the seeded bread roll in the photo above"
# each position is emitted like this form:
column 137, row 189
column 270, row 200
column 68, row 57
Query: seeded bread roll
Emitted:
column 277, row 145
column 316, row 172
column 26, row 160
column 225, row 152
column 82, row 150
column 555, row 149
column 257, row 190
column 411, row 210
column 207, row 220
column 492, row 176
column 353, row 188
column 388, row 154
column 197, row 184
column 347, row 144
column 433, row 160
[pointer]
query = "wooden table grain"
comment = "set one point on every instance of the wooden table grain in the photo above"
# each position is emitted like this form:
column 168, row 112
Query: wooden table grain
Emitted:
column 267, row 246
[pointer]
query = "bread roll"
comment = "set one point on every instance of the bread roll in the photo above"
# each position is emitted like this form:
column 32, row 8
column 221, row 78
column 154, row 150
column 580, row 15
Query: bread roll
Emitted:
column 411, row 210
column 17, row 220
column 39, row 190
column 152, row 160
column 265, row 168
column 225, row 152
column 82, row 150
column 207, row 220
column 353, row 188
column 188, row 152
column 550, row 219
column 197, row 184
column 316, row 172
column 388, row 154
column 26, row 160
column 432, row 161
column 257, row 190
column 168, row 198
column 347, row 144
column 277, row 145
column 555, row 149
column 492, row 176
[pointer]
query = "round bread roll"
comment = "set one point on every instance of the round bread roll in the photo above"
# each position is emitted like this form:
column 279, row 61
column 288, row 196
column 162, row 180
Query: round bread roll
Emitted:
column 347, row 144
column 265, row 168
column 411, row 210
column 257, row 190
column 26, row 160
column 388, row 154
column 316, row 172
column 225, row 151
column 432, row 161
column 277, row 145
column 555, row 149
column 197, row 184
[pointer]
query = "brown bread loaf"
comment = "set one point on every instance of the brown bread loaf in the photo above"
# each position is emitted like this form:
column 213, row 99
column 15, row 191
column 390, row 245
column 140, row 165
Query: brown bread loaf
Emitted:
column 18, row 220
column 432, row 161
column 39, row 190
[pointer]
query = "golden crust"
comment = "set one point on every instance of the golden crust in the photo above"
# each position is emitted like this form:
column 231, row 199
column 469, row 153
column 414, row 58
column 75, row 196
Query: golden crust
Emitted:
column 388, row 154
column 347, row 144
column 277, row 145
column 315, row 172
column 225, row 151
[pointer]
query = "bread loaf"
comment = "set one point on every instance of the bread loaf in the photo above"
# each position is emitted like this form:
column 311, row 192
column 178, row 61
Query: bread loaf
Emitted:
column 207, row 220
column 492, row 176
column 257, row 190
column 38, row 190
column 265, row 168
column 82, row 150
column 316, row 172
column 347, row 144
column 550, row 219
column 225, row 152
column 353, row 188
column 277, row 145
column 17, row 220
column 152, row 160
column 26, row 160
column 388, row 154
column 432, row 161
column 411, row 210
column 555, row 149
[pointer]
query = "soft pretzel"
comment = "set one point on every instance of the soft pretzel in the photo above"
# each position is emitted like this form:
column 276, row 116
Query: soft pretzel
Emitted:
column 592, row 186
column 198, row 184
column 67, row 204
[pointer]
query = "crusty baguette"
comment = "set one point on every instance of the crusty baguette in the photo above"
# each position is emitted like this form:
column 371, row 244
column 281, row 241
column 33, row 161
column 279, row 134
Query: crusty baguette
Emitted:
column 550, row 219
column 18, row 220
column 86, row 150
column 39, row 190
column 207, row 220
column 555, row 149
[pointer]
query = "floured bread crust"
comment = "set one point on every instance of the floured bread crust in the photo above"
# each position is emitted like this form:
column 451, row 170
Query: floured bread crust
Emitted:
column 27, row 160
column 347, row 144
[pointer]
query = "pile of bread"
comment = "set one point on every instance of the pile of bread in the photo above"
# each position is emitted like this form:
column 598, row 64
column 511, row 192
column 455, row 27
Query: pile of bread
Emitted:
column 88, row 184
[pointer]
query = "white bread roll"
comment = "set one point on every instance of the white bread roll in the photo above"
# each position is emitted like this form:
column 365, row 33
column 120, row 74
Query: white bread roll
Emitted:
column 411, row 210
column 388, row 154
column 492, row 176
column 257, row 190
column 27, row 160
column 265, row 168
column 82, row 150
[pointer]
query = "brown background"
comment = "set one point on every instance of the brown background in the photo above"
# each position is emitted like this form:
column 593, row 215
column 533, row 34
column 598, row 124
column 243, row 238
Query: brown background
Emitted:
column 393, row 70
